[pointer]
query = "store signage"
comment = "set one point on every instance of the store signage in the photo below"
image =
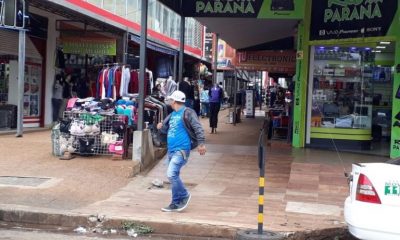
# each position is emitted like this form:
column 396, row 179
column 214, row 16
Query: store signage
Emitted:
column 300, row 55
column 226, row 56
column 335, row 19
column 244, row 8
column 208, row 45
column 271, row 61
column 90, row 46
column 395, row 146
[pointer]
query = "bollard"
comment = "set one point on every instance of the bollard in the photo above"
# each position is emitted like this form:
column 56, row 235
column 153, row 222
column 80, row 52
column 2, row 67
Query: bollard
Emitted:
column 260, row 233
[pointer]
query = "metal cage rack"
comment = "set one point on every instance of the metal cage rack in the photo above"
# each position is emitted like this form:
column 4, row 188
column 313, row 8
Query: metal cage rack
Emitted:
column 92, row 144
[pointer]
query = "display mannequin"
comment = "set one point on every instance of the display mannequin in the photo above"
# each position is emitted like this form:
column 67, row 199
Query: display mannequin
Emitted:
column 170, row 86
column 57, row 97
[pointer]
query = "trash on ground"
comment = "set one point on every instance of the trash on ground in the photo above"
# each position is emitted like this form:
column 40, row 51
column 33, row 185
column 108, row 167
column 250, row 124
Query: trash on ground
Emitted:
column 131, row 233
column 158, row 183
column 80, row 230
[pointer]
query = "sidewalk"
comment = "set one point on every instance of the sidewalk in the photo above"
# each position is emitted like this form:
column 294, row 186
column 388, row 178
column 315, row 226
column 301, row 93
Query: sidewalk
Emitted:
column 305, row 189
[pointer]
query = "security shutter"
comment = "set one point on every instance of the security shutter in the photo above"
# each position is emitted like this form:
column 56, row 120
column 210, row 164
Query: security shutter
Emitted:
column 9, row 44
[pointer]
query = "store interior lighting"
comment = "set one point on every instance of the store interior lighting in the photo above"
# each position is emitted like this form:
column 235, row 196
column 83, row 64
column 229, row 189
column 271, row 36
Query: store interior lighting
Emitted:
column 385, row 43
column 380, row 47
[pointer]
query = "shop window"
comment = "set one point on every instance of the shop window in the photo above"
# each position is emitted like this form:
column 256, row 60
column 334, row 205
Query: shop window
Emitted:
column 351, row 89
column 98, row 3
column 172, row 25
column 165, row 21
column 133, row 10
column 109, row 5
column 176, row 28
column 120, row 8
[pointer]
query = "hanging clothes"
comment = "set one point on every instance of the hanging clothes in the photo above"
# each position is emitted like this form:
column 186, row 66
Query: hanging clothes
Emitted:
column 125, row 80
column 134, row 84
column 117, row 85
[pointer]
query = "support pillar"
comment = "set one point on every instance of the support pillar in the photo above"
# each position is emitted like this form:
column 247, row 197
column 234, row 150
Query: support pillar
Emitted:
column 215, row 59
column 142, row 64
column 181, row 49
column 21, row 78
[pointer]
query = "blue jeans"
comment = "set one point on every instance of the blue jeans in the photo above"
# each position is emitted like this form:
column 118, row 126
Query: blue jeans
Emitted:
column 205, row 109
column 176, row 161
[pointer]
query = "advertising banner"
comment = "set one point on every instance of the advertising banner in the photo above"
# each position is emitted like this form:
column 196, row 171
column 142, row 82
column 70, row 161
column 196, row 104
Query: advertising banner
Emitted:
column 395, row 148
column 267, row 9
column 270, row 61
column 90, row 46
column 339, row 19
column 208, row 45
column 226, row 56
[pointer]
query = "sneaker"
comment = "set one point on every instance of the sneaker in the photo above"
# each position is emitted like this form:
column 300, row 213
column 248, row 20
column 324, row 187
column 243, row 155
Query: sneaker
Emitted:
column 171, row 208
column 184, row 203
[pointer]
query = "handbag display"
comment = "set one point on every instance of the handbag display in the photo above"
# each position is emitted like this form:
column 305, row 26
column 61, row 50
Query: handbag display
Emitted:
column 117, row 148
column 109, row 138
column 65, row 125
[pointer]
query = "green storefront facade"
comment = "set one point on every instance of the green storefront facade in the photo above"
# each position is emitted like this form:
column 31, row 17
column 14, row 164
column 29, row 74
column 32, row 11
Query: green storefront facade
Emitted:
column 347, row 91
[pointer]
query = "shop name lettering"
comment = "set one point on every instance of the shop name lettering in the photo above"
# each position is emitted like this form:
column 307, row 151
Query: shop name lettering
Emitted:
column 396, row 145
column 277, row 59
column 349, row 10
column 96, row 48
column 229, row 6
column 392, row 189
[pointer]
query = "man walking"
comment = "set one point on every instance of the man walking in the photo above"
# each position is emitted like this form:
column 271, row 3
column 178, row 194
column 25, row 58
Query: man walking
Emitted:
column 184, row 132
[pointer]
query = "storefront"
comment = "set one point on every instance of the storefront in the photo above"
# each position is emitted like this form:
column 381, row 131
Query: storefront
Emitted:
column 352, row 93
column 34, row 75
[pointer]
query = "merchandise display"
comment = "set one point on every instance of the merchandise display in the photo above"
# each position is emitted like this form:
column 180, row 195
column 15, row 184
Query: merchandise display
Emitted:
column 104, row 127
column 342, row 87
column 351, row 96
column 115, row 81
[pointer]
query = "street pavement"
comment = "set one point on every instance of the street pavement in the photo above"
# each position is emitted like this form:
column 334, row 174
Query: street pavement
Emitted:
column 305, row 188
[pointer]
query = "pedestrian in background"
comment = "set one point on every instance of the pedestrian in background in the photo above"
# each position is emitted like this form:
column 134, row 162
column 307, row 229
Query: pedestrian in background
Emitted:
column 184, row 133
column 205, row 103
column 216, row 95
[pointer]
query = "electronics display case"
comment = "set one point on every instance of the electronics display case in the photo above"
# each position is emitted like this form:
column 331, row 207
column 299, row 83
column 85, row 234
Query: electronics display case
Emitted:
column 342, row 96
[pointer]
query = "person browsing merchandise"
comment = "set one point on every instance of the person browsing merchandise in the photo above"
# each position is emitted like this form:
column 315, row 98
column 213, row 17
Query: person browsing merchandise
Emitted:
column 184, row 132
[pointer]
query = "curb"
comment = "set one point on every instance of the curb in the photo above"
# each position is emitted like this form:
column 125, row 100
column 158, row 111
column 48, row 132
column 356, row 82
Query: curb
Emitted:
column 74, row 220
column 71, row 221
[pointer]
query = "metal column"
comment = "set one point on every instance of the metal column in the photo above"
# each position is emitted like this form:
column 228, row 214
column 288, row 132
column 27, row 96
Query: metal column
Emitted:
column 235, row 98
column 125, row 40
column 181, row 49
column 21, row 78
column 175, row 67
column 215, row 59
column 142, row 64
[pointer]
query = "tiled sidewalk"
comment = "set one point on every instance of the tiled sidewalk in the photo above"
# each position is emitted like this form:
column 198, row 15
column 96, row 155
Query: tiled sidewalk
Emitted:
column 305, row 190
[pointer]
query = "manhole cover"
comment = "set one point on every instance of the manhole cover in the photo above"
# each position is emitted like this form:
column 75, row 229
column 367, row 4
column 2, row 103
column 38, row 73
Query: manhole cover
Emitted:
column 22, row 181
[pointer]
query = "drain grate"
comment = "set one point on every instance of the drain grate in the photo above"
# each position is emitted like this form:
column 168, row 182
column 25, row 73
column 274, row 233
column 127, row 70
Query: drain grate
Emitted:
column 22, row 181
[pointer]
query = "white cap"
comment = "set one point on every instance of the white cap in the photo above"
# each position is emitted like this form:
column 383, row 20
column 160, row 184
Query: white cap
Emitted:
column 177, row 96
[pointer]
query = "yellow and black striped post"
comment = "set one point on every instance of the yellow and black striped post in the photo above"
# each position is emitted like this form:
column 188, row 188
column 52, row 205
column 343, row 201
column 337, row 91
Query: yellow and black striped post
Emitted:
column 260, row 234
column 261, row 185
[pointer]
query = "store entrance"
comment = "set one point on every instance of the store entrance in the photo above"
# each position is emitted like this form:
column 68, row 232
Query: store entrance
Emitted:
column 350, row 98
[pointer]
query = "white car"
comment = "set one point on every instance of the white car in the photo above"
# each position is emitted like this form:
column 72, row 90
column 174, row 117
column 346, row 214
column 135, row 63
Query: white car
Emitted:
column 372, row 211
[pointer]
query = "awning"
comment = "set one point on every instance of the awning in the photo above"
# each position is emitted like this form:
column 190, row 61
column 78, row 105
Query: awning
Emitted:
column 154, row 46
